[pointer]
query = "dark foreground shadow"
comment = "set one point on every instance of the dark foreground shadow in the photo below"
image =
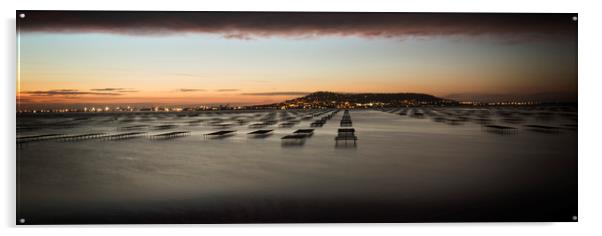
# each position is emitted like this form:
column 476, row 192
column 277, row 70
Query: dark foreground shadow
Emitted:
column 217, row 137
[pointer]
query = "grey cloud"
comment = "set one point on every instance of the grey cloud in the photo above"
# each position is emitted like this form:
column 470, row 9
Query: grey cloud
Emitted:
column 190, row 90
column 248, row 25
column 67, row 92
column 121, row 90
column 285, row 93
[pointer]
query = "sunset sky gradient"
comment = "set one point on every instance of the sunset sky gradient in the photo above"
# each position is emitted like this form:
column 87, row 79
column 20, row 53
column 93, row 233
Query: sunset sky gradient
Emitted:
column 253, row 58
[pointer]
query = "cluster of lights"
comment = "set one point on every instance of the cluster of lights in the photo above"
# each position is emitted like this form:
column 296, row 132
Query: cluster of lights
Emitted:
column 131, row 109
column 508, row 103
column 296, row 104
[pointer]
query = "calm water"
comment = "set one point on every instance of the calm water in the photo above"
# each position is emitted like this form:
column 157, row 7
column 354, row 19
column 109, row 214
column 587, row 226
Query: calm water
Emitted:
column 403, row 169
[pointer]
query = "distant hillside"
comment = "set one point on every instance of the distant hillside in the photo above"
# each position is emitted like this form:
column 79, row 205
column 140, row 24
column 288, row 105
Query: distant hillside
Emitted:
column 354, row 100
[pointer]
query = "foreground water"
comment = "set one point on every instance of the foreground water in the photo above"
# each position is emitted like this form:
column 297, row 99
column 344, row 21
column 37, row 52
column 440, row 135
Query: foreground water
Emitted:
column 403, row 169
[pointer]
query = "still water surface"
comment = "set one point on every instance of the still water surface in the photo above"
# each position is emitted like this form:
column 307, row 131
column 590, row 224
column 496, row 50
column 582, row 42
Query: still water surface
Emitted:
column 403, row 169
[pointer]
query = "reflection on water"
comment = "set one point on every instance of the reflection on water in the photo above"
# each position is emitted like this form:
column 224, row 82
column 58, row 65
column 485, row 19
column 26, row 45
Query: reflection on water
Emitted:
column 408, row 165
column 345, row 145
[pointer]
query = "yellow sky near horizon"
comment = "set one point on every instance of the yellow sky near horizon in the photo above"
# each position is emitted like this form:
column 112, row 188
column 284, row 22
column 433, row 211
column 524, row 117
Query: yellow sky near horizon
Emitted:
column 203, row 69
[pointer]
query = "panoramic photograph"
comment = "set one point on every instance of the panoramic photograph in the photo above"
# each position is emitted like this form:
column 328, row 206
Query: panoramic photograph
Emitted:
column 142, row 117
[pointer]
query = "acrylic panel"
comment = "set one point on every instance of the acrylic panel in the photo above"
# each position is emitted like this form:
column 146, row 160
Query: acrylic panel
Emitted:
column 133, row 117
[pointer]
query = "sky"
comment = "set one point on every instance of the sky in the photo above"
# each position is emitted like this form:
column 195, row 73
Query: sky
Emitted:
column 258, row 58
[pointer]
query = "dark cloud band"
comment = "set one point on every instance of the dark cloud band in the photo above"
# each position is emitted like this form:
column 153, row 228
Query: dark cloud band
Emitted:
column 184, row 90
column 243, row 25
column 67, row 92
column 120, row 90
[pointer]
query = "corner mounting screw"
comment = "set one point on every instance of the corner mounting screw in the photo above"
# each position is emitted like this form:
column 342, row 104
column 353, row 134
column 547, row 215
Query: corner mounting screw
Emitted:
column 22, row 220
column 22, row 15
column 574, row 217
column 574, row 18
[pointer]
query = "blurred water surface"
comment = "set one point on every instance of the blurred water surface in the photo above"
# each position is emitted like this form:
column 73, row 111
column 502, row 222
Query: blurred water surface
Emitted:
column 403, row 169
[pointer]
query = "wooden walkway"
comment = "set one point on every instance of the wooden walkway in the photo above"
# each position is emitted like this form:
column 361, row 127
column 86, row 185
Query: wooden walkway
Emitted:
column 169, row 135
column 345, row 135
column 499, row 129
column 261, row 132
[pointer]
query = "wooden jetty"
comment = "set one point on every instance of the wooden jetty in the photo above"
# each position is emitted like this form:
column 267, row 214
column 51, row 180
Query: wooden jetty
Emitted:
column 270, row 122
column 454, row 121
column 241, row 121
column 163, row 127
column 345, row 138
column 223, row 125
column 345, row 135
column 318, row 123
column 294, row 139
column 417, row 114
column 322, row 121
column 169, row 135
column 220, row 134
column 499, row 129
column 123, row 135
column 439, row 119
column 346, row 131
column 307, row 118
column 462, row 118
column 79, row 137
column 288, row 124
column 306, row 132
column 288, row 118
column 346, row 123
column 261, row 132
column 133, row 127
column 346, row 120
